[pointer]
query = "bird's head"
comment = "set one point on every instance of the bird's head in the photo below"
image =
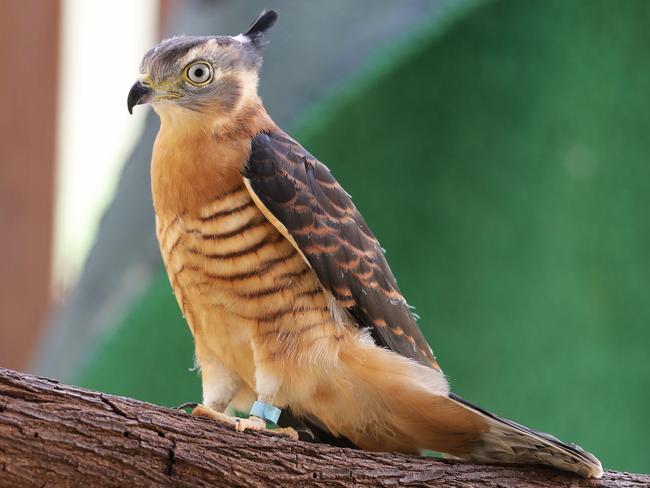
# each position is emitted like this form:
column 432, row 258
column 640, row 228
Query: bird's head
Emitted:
column 212, row 75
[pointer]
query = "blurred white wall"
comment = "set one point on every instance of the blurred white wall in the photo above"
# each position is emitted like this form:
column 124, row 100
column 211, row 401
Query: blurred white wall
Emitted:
column 101, row 47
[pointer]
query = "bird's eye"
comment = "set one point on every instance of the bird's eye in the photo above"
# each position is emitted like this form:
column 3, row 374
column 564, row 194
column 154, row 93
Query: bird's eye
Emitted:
column 199, row 73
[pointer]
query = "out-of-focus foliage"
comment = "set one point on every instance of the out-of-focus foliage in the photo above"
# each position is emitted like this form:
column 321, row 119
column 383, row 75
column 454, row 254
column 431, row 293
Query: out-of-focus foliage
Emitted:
column 150, row 355
column 505, row 168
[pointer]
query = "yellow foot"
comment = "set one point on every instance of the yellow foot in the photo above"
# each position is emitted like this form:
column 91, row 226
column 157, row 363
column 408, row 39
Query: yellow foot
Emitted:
column 256, row 423
column 203, row 411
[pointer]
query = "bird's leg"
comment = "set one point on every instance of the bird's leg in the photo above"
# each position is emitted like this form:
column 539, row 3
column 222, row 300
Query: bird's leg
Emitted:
column 220, row 385
column 267, row 386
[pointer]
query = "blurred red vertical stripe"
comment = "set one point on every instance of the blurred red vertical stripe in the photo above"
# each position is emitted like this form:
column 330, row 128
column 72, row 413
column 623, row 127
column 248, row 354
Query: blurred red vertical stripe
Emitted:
column 166, row 10
column 29, row 50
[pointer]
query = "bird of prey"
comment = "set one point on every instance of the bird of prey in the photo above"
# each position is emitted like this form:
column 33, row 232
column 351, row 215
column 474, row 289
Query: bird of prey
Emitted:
column 295, row 313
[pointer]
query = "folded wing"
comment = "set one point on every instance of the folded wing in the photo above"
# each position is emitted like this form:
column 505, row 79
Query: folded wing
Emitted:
column 301, row 193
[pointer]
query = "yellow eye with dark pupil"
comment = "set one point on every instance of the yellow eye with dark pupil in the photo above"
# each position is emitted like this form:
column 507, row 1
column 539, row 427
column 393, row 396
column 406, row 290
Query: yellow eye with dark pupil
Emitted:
column 199, row 73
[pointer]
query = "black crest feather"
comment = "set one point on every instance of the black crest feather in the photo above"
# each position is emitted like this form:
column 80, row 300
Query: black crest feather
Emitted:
column 260, row 25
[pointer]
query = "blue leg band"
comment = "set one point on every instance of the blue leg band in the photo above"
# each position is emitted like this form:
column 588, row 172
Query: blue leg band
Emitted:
column 266, row 411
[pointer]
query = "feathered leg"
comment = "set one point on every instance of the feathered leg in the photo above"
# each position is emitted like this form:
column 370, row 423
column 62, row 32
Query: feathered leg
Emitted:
column 220, row 385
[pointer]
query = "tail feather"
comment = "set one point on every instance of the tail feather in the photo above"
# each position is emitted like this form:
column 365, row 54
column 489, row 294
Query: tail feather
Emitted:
column 385, row 402
column 509, row 442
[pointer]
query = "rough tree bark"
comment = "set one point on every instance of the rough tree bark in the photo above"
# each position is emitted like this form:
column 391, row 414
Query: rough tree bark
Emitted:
column 57, row 435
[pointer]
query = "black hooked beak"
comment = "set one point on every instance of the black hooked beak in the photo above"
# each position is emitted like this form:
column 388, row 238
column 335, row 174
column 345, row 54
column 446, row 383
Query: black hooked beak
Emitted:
column 138, row 94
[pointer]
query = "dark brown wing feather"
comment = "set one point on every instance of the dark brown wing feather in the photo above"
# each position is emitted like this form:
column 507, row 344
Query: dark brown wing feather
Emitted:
column 329, row 230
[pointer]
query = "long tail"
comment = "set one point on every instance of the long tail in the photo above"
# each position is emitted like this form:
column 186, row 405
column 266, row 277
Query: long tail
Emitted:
column 390, row 403
column 509, row 442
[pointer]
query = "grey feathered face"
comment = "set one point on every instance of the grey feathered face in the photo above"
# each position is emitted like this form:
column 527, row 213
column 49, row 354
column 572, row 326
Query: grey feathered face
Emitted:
column 200, row 73
column 210, row 74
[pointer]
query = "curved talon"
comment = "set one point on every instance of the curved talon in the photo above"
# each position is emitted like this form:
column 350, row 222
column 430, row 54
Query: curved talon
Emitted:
column 185, row 405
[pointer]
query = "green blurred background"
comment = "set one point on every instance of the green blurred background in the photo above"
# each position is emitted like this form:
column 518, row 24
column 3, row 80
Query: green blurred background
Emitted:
column 499, row 151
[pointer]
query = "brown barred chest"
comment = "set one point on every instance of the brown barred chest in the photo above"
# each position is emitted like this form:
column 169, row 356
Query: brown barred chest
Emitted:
column 243, row 288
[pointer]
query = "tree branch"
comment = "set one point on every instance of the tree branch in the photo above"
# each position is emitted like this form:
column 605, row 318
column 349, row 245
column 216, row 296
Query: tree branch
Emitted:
column 52, row 434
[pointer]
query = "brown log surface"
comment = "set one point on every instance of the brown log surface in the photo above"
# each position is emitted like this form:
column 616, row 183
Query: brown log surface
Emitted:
column 57, row 435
